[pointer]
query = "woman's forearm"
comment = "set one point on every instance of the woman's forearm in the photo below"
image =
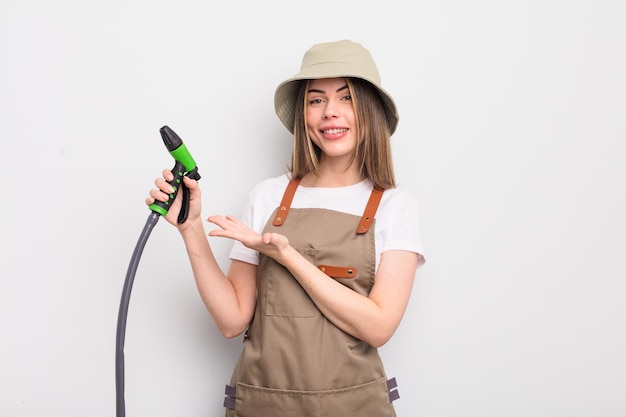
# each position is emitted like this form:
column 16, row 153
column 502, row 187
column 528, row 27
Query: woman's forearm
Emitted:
column 372, row 319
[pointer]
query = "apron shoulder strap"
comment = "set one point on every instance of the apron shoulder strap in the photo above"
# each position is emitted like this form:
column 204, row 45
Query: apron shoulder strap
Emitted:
column 285, row 204
column 370, row 210
column 366, row 219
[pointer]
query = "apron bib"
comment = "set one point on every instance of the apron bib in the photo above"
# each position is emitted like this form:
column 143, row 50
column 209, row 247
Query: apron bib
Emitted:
column 295, row 362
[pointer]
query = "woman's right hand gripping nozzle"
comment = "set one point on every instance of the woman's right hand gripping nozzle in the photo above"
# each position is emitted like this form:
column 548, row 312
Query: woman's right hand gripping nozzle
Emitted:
column 175, row 206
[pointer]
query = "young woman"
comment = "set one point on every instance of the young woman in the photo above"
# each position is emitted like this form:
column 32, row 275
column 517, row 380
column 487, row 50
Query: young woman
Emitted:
column 324, row 256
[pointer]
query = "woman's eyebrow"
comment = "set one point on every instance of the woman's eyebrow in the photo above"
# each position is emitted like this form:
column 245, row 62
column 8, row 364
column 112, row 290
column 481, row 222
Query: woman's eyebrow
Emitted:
column 315, row 90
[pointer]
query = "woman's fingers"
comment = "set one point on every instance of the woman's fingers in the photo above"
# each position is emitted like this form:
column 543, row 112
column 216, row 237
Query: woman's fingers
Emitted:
column 167, row 175
column 163, row 185
column 233, row 228
column 228, row 224
column 270, row 244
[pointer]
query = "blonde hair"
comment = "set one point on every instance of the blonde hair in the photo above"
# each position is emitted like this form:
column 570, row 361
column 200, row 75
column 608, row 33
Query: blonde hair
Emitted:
column 373, row 150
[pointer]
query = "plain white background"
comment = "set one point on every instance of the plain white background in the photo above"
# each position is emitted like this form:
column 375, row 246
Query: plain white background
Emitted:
column 512, row 136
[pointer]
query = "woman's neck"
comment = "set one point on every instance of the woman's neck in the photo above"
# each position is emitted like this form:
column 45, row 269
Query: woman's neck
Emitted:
column 333, row 178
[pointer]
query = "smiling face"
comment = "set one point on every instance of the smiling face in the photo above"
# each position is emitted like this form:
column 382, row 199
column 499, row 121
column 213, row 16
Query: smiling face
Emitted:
column 330, row 119
column 341, row 128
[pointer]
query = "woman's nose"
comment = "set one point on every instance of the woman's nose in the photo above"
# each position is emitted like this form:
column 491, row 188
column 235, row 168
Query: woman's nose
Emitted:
column 330, row 111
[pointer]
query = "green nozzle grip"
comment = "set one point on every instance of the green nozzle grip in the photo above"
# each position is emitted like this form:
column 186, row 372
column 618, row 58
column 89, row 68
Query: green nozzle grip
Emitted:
column 163, row 207
column 181, row 154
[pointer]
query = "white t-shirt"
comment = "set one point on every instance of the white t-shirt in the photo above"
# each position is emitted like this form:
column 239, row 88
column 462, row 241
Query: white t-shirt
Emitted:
column 397, row 218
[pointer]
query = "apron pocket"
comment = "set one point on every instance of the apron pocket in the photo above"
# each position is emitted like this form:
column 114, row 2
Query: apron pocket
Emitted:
column 285, row 296
column 265, row 402
column 371, row 399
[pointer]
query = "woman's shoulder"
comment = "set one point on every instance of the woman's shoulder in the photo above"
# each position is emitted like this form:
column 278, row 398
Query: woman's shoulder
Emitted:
column 398, row 203
column 269, row 189
column 399, row 196
column 272, row 183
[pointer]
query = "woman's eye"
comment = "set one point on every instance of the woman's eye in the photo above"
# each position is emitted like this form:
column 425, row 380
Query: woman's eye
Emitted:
column 347, row 97
column 315, row 101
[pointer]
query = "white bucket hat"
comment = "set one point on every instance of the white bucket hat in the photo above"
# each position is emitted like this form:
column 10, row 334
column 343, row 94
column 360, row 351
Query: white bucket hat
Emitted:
column 332, row 60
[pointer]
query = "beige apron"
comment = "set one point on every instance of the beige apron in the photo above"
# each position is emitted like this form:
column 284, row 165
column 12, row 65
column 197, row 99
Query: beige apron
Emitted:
column 295, row 362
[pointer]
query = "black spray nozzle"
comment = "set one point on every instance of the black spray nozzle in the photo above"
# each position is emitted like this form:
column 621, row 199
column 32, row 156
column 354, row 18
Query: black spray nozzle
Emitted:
column 170, row 138
column 184, row 166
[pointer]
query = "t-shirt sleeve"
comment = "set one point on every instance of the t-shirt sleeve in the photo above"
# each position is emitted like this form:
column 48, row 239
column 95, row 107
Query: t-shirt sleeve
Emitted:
column 403, row 231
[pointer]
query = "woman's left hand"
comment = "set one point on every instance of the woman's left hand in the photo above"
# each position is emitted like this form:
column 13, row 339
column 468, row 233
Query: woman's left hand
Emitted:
column 273, row 245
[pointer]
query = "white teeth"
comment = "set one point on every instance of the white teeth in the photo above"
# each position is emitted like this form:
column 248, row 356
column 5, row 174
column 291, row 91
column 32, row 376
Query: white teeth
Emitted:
column 334, row 131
